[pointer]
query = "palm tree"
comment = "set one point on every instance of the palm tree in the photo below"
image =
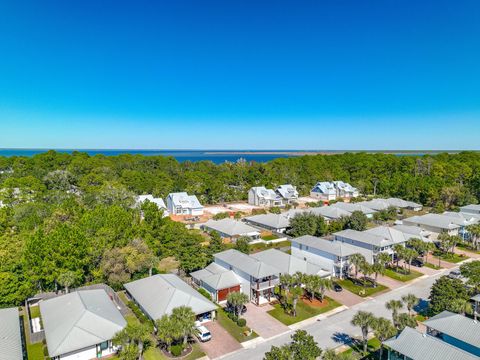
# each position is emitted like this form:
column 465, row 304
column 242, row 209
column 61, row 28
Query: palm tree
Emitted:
column 311, row 284
column 399, row 251
column 394, row 306
column 383, row 330
column 366, row 270
column 184, row 318
column 295, row 294
column 133, row 335
column 378, row 269
column 474, row 231
column 403, row 320
column 237, row 300
column 383, row 259
column 323, row 286
column 67, row 279
column 410, row 302
column 409, row 255
column 364, row 320
column 461, row 306
column 357, row 260
column 167, row 331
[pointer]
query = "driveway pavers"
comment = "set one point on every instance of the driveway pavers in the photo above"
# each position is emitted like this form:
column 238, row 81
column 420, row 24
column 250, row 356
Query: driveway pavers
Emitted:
column 261, row 322
column 345, row 297
column 221, row 343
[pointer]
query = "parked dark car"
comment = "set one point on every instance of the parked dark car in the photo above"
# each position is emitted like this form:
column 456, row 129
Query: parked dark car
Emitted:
column 337, row 288
column 231, row 309
column 417, row 262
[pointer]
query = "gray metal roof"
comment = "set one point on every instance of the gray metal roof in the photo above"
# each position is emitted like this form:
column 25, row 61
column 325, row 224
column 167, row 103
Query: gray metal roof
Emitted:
column 351, row 207
column 400, row 203
column 216, row 276
column 378, row 238
column 157, row 201
column 160, row 294
column 471, row 208
column 476, row 298
column 329, row 212
column 390, row 234
column 275, row 221
column 418, row 346
column 10, row 337
column 247, row 264
column 434, row 220
column 78, row 320
column 185, row 201
column 416, row 232
column 288, row 264
column 287, row 191
column 336, row 248
column 458, row 326
column 263, row 192
column 376, row 204
column 230, row 227
column 325, row 187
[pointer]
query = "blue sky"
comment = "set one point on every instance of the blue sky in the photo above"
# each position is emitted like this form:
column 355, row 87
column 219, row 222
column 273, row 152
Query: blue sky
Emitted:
column 383, row 74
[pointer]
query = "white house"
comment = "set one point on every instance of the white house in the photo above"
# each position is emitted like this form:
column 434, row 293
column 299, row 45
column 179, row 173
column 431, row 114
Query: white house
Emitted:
column 261, row 196
column 330, row 255
column 288, row 192
column 436, row 223
column 231, row 229
column 183, row 204
column 159, row 294
column 81, row 325
column 157, row 201
column 345, row 190
column 324, row 191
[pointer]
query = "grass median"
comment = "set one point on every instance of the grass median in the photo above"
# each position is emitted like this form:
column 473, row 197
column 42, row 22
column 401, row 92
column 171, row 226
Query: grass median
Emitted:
column 363, row 291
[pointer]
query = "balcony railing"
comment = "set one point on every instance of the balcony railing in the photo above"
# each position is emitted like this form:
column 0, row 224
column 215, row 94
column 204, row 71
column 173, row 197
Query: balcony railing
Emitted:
column 261, row 285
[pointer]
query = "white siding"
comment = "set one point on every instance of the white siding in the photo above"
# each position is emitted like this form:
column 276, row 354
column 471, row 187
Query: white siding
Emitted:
column 315, row 256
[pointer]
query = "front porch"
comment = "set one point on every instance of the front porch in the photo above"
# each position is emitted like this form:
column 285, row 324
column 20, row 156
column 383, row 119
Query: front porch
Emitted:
column 262, row 290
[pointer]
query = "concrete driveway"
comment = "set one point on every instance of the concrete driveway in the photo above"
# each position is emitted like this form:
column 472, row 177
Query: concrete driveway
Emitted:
column 345, row 297
column 262, row 323
column 221, row 343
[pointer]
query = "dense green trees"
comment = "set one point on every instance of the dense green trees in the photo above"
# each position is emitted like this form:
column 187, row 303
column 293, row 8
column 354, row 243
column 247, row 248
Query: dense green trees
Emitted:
column 302, row 347
column 443, row 293
column 71, row 213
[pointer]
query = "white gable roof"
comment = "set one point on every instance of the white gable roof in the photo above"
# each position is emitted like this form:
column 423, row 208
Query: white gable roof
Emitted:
column 185, row 201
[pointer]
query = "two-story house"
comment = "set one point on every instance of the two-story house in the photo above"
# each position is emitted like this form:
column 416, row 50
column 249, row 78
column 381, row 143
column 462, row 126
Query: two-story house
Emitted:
column 261, row 196
column 288, row 193
column 183, row 204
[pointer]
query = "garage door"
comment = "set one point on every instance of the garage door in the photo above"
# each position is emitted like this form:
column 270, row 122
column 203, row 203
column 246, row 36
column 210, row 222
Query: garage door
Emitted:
column 222, row 294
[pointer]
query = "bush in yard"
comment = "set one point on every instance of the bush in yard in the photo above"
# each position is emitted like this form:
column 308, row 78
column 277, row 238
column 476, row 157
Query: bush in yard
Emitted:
column 205, row 293
column 45, row 351
column 176, row 350
column 241, row 322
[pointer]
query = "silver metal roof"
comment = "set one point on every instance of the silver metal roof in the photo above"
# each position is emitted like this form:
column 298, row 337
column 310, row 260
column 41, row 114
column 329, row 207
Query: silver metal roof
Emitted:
column 275, row 221
column 78, row 320
column 330, row 212
column 10, row 337
column 434, row 220
column 160, row 294
column 185, row 201
column 288, row 264
column 379, row 239
column 351, row 207
column 418, row 346
column 230, row 227
column 216, row 276
column 336, row 248
column 246, row 263
column 287, row 191
column 458, row 326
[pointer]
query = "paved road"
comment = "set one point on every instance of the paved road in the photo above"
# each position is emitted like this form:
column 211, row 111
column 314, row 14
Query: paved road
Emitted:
column 336, row 329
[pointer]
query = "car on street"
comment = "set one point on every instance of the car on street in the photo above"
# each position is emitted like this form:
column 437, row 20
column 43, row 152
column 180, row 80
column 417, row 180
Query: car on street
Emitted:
column 455, row 274
column 337, row 287
column 203, row 334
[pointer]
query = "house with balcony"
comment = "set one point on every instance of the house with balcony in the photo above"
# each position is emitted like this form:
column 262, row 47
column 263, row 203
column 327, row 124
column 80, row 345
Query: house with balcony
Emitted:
column 411, row 344
column 159, row 294
column 345, row 190
column 376, row 240
column 261, row 196
column 10, row 335
column 81, row 325
column 259, row 273
column 183, row 204
column 324, row 190
column 288, row 193
column 333, row 256
column 217, row 280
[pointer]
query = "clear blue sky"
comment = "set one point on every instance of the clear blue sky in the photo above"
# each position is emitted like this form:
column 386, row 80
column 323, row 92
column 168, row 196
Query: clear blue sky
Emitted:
column 176, row 74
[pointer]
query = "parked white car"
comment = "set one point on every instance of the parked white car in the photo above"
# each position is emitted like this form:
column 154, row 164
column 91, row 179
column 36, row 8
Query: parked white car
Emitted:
column 203, row 334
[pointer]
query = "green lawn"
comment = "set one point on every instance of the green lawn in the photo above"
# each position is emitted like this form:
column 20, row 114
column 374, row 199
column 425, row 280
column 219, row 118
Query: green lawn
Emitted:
column 34, row 312
column 466, row 247
column 261, row 246
column 402, row 275
column 304, row 311
column 153, row 353
column 269, row 237
column 433, row 266
column 357, row 348
column 361, row 290
column 233, row 329
column 35, row 351
column 452, row 258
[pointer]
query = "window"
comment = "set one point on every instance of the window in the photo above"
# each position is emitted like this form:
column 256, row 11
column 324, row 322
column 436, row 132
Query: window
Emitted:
column 301, row 247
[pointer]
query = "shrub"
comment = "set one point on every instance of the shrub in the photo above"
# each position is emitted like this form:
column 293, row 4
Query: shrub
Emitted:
column 220, row 216
column 232, row 316
column 176, row 350
column 205, row 293
column 138, row 313
column 258, row 211
column 45, row 351
column 241, row 322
